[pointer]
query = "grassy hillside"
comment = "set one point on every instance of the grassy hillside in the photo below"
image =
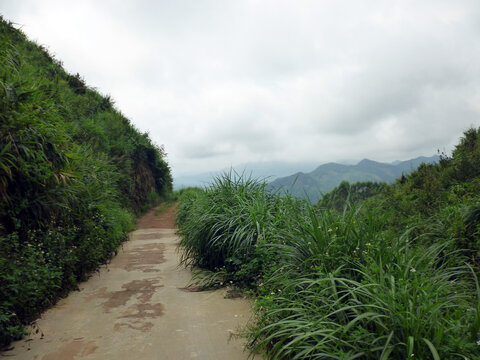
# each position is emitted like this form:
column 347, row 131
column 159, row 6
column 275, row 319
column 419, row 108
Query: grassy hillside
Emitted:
column 327, row 176
column 392, row 275
column 73, row 173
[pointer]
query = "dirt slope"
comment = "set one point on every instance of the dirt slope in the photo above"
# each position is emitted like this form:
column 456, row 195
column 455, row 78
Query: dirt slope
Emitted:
column 137, row 308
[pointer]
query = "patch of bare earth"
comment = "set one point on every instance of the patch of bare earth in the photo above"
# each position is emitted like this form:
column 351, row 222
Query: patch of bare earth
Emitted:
column 154, row 219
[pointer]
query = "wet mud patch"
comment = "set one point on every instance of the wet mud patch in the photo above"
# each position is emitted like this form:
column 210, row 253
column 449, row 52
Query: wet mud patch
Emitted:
column 142, row 258
column 137, row 293
column 143, row 311
column 142, row 290
column 72, row 351
column 136, row 317
column 134, row 325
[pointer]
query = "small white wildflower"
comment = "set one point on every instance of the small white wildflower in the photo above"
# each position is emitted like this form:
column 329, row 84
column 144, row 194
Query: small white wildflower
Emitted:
column 413, row 270
column 368, row 244
column 329, row 230
column 478, row 342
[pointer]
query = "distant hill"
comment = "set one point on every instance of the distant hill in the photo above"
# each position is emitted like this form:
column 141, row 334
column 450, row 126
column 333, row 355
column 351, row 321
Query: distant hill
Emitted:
column 327, row 176
column 268, row 170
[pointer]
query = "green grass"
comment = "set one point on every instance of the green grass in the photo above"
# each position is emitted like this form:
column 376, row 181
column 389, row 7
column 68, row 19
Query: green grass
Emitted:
column 226, row 226
column 329, row 284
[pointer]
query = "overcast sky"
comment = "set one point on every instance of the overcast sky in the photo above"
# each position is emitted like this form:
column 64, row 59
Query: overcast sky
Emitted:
column 220, row 83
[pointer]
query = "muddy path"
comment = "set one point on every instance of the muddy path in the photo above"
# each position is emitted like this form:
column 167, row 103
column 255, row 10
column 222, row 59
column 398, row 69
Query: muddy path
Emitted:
column 137, row 308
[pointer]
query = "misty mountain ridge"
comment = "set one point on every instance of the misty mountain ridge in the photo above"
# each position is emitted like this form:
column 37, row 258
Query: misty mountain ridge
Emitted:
column 268, row 170
column 276, row 172
column 327, row 176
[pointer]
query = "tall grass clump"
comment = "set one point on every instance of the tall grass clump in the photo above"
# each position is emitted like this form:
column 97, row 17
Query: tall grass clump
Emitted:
column 347, row 290
column 227, row 225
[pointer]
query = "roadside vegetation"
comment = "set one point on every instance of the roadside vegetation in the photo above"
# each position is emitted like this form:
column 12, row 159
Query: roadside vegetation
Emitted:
column 372, row 271
column 74, row 173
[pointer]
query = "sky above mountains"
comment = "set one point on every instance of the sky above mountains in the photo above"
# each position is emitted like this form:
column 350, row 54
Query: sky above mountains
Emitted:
column 221, row 83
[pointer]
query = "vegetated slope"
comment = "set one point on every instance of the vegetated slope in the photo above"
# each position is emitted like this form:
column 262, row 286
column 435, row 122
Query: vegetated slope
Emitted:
column 347, row 194
column 73, row 172
column 325, row 177
column 391, row 277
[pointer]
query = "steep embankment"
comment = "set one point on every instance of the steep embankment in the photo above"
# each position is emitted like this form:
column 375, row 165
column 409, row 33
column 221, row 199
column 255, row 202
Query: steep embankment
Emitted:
column 73, row 172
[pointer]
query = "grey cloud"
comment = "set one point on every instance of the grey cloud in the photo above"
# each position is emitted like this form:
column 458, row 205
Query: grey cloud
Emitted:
column 227, row 82
column 205, row 151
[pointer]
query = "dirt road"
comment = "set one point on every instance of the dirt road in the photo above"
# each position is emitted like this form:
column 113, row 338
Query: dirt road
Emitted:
column 138, row 308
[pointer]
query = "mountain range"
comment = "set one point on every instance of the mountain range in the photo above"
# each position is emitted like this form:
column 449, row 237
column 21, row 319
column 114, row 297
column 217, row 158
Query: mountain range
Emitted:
column 268, row 170
column 327, row 176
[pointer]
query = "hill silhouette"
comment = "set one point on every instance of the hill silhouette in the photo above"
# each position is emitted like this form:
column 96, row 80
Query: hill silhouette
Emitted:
column 327, row 176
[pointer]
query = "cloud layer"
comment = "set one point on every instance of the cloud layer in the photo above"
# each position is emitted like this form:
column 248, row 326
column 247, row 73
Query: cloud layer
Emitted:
column 226, row 82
